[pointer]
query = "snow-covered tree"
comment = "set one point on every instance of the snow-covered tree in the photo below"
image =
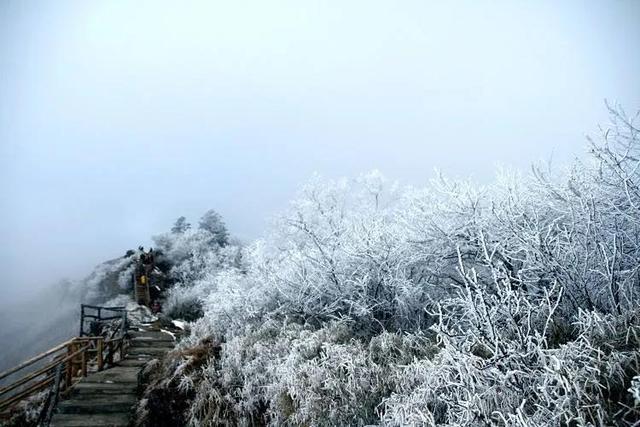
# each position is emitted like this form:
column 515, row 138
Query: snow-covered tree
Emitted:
column 212, row 222
column 180, row 226
column 194, row 257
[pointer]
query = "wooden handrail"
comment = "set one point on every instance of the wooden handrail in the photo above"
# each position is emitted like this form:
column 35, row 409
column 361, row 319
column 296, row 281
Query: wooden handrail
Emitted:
column 26, row 393
column 35, row 359
column 102, row 317
column 97, row 316
column 41, row 371
column 96, row 307
column 87, row 338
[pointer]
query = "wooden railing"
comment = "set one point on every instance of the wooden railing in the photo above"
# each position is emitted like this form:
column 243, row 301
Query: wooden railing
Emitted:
column 64, row 365
column 95, row 315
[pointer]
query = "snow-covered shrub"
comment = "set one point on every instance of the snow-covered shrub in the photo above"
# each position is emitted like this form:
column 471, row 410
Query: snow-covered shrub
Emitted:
column 635, row 391
column 286, row 373
column 496, row 367
column 514, row 303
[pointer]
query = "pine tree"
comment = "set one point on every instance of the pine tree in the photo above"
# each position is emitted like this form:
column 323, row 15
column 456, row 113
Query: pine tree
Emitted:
column 212, row 222
column 180, row 226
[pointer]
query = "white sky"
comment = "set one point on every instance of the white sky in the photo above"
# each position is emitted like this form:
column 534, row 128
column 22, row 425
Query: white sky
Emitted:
column 116, row 117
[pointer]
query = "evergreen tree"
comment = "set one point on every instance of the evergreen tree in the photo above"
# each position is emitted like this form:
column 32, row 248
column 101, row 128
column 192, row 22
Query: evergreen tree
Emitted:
column 212, row 222
column 180, row 226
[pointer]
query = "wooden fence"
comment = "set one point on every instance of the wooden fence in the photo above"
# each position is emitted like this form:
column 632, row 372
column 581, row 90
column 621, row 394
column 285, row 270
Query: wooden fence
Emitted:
column 60, row 367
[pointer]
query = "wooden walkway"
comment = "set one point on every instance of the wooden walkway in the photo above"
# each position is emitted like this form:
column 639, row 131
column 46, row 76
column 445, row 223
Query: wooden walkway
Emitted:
column 108, row 398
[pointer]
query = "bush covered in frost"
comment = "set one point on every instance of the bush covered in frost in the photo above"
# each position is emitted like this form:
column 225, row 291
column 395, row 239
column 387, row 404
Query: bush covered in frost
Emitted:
column 514, row 304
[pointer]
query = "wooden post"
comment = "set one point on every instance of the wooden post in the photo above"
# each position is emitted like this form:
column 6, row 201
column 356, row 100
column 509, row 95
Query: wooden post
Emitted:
column 110, row 353
column 81, row 319
column 74, row 362
column 77, row 360
column 83, row 362
column 135, row 286
column 69, row 368
column 99, row 356
column 124, row 322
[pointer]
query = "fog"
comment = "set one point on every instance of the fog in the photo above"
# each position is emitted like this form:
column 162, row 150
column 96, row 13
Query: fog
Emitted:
column 117, row 117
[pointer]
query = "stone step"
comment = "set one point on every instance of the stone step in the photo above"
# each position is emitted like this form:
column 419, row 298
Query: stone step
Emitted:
column 97, row 420
column 98, row 404
column 138, row 362
column 141, row 342
column 151, row 335
column 117, row 374
column 149, row 351
column 87, row 388
column 107, row 398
